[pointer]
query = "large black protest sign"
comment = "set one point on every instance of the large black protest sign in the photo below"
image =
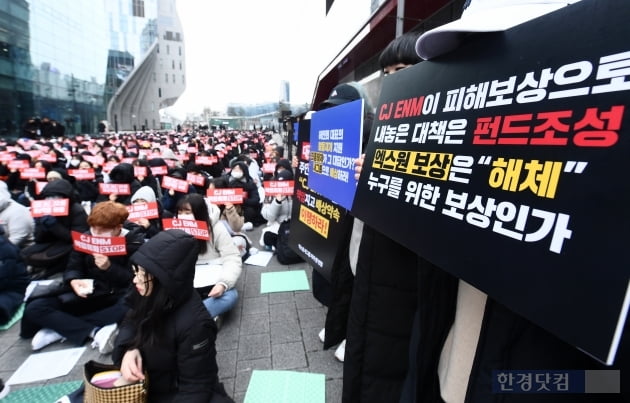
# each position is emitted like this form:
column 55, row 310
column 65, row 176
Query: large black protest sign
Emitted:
column 319, row 227
column 504, row 163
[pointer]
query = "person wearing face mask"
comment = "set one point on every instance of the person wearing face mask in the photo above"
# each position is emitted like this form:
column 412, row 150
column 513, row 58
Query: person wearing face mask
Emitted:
column 239, row 178
column 276, row 209
column 170, row 198
column 95, row 286
column 75, row 161
column 231, row 216
column 149, row 226
column 88, row 188
column 219, row 256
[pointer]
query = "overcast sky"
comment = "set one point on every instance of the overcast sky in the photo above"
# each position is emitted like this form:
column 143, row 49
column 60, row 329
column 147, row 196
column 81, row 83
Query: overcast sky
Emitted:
column 240, row 50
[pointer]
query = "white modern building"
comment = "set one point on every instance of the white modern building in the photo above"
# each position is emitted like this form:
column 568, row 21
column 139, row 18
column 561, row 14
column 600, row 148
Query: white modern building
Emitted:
column 157, row 77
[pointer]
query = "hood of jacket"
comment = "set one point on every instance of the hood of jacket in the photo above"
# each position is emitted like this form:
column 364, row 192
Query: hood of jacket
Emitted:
column 122, row 173
column 59, row 187
column 170, row 256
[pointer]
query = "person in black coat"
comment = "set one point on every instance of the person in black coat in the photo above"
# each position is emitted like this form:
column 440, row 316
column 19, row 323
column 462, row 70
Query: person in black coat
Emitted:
column 239, row 178
column 13, row 279
column 150, row 179
column 80, row 312
column 88, row 188
column 170, row 197
column 383, row 299
column 169, row 335
column 58, row 229
column 122, row 173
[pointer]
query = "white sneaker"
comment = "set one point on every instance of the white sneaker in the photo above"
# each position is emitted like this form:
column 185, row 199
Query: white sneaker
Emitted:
column 340, row 352
column 248, row 226
column 104, row 338
column 4, row 389
column 45, row 337
column 253, row 251
column 322, row 335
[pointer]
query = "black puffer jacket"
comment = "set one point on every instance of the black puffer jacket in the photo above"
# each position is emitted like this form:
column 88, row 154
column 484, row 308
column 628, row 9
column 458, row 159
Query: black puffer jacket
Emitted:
column 54, row 229
column 122, row 173
column 112, row 283
column 381, row 314
column 181, row 366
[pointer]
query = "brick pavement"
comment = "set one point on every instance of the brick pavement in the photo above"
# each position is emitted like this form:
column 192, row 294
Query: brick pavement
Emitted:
column 264, row 331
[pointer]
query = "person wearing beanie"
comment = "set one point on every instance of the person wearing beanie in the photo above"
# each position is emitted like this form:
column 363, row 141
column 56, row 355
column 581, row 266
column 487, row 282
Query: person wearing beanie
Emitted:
column 144, row 194
column 169, row 155
column 53, row 175
column 168, row 334
column 149, row 226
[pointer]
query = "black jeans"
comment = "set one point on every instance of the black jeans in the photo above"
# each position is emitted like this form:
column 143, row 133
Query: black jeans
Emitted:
column 75, row 321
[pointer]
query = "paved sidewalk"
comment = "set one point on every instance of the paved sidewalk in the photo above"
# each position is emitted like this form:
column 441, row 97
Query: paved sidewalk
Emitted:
column 264, row 331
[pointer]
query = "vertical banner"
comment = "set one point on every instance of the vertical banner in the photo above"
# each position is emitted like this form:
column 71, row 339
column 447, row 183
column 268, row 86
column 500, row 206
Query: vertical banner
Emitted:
column 319, row 227
column 335, row 141
column 502, row 163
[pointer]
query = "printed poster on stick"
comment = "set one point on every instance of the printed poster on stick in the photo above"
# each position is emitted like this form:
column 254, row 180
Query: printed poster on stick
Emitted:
column 335, row 142
column 319, row 228
column 501, row 163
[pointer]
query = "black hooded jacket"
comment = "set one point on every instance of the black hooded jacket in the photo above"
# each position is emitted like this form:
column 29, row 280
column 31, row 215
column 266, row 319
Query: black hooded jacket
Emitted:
column 181, row 367
column 55, row 229
column 248, row 185
column 123, row 173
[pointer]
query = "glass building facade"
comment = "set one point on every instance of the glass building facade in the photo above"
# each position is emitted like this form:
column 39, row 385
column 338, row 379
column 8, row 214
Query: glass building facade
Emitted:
column 77, row 62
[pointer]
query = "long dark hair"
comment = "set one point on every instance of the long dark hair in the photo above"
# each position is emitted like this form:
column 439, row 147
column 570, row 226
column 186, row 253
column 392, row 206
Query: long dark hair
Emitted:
column 148, row 315
column 200, row 211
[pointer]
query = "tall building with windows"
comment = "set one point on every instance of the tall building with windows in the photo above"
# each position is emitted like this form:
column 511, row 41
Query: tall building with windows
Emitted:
column 79, row 63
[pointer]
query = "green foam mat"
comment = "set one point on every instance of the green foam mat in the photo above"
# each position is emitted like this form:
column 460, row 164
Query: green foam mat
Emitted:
column 286, row 387
column 42, row 394
column 16, row 317
column 282, row 281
